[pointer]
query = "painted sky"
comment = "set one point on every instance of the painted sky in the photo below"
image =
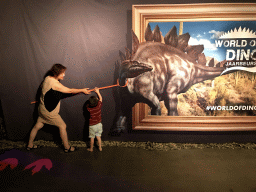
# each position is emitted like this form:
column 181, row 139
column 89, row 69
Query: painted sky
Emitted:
column 206, row 32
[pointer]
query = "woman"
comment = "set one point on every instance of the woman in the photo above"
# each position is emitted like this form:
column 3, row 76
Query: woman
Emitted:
column 49, row 106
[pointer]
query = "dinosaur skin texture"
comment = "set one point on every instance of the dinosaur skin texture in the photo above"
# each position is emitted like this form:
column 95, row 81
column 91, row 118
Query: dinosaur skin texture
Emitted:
column 159, row 71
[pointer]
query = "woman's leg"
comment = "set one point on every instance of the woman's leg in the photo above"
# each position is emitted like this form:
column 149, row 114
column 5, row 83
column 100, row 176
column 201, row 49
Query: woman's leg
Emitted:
column 64, row 137
column 33, row 133
column 63, row 132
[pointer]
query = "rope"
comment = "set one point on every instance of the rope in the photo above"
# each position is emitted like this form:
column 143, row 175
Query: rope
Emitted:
column 106, row 87
column 110, row 86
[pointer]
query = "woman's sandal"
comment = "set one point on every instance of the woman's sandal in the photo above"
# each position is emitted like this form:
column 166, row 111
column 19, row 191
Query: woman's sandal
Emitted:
column 69, row 150
column 31, row 148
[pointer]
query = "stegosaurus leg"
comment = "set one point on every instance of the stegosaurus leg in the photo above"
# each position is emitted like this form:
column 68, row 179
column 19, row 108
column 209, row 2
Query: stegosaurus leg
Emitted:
column 154, row 103
column 171, row 105
column 171, row 99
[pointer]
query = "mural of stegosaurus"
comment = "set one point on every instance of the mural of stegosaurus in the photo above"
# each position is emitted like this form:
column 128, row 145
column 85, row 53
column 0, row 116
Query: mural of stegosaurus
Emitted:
column 158, row 71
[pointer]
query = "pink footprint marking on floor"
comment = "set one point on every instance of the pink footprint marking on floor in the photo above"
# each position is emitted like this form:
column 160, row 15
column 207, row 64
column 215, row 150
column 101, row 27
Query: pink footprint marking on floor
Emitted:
column 13, row 162
column 39, row 164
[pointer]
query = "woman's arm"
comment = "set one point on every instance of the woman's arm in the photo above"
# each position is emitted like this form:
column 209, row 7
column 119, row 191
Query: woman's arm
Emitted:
column 61, row 88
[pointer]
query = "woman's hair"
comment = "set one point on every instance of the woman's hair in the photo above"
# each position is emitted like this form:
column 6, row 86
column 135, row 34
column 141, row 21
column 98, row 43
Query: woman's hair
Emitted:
column 56, row 70
column 93, row 101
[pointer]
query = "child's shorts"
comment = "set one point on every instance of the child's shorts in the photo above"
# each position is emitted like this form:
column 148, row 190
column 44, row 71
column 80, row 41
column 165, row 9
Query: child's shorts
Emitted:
column 95, row 130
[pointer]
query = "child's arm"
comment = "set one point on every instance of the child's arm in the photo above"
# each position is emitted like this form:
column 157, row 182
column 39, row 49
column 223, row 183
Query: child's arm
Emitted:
column 96, row 89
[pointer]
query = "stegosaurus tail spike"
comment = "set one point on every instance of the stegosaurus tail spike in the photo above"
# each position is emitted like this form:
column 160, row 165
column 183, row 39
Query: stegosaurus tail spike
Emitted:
column 194, row 51
column 183, row 41
column 210, row 63
column 157, row 34
column 148, row 34
column 171, row 37
column 221, row 64
column 201, row 59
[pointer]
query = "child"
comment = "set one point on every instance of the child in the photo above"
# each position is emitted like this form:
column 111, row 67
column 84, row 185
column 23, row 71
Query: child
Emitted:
column 95, row 125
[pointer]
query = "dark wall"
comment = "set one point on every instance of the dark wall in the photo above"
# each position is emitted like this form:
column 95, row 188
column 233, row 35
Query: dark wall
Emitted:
column 85, row 36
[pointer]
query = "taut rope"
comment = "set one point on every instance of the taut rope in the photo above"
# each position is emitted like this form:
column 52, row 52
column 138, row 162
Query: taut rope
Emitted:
column 110, row 86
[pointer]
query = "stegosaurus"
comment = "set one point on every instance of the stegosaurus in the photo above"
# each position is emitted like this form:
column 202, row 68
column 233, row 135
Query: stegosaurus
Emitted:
column 158, row 71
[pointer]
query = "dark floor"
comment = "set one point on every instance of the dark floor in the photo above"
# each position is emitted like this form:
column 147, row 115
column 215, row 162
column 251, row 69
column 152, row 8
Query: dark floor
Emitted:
column 130, row 169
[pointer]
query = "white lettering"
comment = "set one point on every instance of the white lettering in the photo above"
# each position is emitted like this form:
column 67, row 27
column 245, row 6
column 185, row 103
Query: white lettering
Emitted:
column 232, row 56
column 244, row 54
column 252, row 43
column 218, row 43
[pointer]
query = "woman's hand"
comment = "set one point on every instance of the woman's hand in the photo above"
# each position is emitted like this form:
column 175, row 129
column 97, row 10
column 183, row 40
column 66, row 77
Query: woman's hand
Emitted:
column 86, row 91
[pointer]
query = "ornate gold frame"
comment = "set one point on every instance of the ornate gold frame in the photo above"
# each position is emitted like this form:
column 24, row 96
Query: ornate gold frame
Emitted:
column 142, row 15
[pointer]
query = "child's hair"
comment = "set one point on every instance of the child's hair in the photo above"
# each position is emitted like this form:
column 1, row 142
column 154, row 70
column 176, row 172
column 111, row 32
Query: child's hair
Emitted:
column 93, row 101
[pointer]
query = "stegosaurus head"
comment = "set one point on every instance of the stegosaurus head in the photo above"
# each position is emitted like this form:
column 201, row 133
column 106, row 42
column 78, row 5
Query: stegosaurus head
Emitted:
column 131, row 69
